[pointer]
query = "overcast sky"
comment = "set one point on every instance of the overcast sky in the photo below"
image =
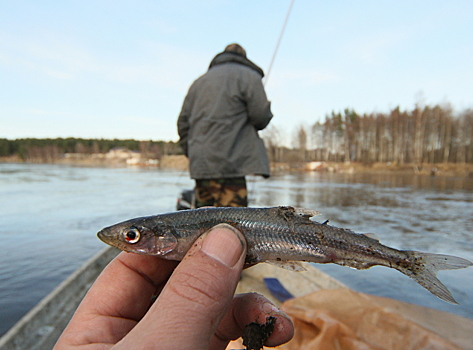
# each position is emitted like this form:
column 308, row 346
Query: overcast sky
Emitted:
column 121, row 69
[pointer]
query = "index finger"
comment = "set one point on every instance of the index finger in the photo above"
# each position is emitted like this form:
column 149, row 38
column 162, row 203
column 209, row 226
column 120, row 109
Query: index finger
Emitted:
column 117, row 300
column 127, row 284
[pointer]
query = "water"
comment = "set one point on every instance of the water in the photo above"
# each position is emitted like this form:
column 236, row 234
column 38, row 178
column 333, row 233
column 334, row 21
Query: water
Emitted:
column 49, row 216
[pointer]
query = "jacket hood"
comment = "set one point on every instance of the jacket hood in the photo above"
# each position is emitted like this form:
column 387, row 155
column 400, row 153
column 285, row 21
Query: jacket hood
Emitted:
column 227, row 57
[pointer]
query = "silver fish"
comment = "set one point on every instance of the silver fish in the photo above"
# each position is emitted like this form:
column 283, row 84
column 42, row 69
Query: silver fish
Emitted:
column 281, row 236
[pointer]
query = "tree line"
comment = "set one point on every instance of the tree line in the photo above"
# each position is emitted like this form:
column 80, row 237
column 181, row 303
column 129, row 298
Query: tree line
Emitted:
column 429, row 134
column 48, row 149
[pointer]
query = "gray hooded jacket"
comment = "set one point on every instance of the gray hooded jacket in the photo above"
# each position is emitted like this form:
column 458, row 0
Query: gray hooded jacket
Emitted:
column 220, row 118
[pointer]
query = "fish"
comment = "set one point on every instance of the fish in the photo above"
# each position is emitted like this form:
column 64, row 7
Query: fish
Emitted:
column 283, row 236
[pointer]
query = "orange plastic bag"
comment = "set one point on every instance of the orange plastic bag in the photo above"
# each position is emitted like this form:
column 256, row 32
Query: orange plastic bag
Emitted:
column 342, row 319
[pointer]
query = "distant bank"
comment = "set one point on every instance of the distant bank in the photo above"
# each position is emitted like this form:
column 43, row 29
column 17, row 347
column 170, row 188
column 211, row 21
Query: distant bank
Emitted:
column 126, row 158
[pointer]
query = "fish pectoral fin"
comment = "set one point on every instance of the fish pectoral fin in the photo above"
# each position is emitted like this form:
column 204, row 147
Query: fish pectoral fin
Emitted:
column 288, row 265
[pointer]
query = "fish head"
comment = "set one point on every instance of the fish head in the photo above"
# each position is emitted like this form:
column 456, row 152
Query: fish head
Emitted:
column 140, row 236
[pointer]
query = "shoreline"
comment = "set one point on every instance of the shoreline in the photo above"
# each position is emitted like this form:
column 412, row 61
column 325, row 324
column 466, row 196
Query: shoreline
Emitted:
column 441, row 169
column 180, row 162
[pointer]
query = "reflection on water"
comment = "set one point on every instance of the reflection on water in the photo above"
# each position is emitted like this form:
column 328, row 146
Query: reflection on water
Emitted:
column 50, row 214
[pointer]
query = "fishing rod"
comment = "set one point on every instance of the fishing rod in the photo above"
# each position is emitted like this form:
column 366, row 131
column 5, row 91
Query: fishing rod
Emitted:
column 253, row 183
column 278, row 42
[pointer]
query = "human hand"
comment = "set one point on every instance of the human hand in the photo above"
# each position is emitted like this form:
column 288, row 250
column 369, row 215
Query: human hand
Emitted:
column 195, row 307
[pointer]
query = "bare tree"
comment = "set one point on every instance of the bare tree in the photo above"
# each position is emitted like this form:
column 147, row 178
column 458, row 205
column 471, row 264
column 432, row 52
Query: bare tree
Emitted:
column 300, row 143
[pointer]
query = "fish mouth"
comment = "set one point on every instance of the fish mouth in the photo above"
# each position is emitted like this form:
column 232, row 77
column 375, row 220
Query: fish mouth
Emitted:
column 105, row 237
column 102, row 236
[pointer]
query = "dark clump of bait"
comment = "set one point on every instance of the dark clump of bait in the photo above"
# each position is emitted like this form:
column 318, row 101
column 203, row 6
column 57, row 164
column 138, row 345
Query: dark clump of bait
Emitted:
column 255, row 334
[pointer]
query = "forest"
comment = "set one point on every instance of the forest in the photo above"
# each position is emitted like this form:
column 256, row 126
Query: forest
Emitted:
column 428, row 134
column 49, row 150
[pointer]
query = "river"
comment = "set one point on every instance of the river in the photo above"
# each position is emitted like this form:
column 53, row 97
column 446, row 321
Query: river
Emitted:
column 50, row 214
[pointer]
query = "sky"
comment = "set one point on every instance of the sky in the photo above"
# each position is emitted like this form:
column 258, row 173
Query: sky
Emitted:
column 121, row 69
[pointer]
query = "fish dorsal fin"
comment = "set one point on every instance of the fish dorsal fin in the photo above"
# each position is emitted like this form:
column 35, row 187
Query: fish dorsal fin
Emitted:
column 288, row 265
column 306, row 213
column 295, row 216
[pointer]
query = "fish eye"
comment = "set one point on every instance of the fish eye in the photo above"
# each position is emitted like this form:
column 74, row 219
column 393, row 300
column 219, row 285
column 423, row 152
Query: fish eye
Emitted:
column 132, row 235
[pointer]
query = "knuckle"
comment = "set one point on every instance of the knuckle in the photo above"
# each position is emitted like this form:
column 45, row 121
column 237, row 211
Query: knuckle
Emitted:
column 198, row 286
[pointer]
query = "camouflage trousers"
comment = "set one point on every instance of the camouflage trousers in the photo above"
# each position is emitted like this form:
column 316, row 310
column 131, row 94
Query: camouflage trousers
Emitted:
column 229, row 192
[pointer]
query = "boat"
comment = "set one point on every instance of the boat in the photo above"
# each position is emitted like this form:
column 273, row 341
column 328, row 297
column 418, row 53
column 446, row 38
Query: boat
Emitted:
column 186, row 200
column 301, row 295
column 40, row 328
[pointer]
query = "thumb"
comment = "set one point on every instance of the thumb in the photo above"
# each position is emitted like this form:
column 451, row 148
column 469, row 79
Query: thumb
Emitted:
column 197, row 295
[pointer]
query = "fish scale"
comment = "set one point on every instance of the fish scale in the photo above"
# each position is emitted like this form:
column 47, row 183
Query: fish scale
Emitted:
column 282, row 236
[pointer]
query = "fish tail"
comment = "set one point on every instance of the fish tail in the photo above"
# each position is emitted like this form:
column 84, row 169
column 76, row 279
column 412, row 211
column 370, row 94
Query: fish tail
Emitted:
column 424, row 267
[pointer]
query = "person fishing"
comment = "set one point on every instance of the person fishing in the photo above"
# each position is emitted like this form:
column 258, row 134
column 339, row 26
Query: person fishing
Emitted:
column 218, row 128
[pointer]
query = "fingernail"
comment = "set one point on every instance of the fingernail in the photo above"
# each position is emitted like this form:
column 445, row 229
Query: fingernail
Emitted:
column 224, row 245
column 273, row 310
column 270, row 309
